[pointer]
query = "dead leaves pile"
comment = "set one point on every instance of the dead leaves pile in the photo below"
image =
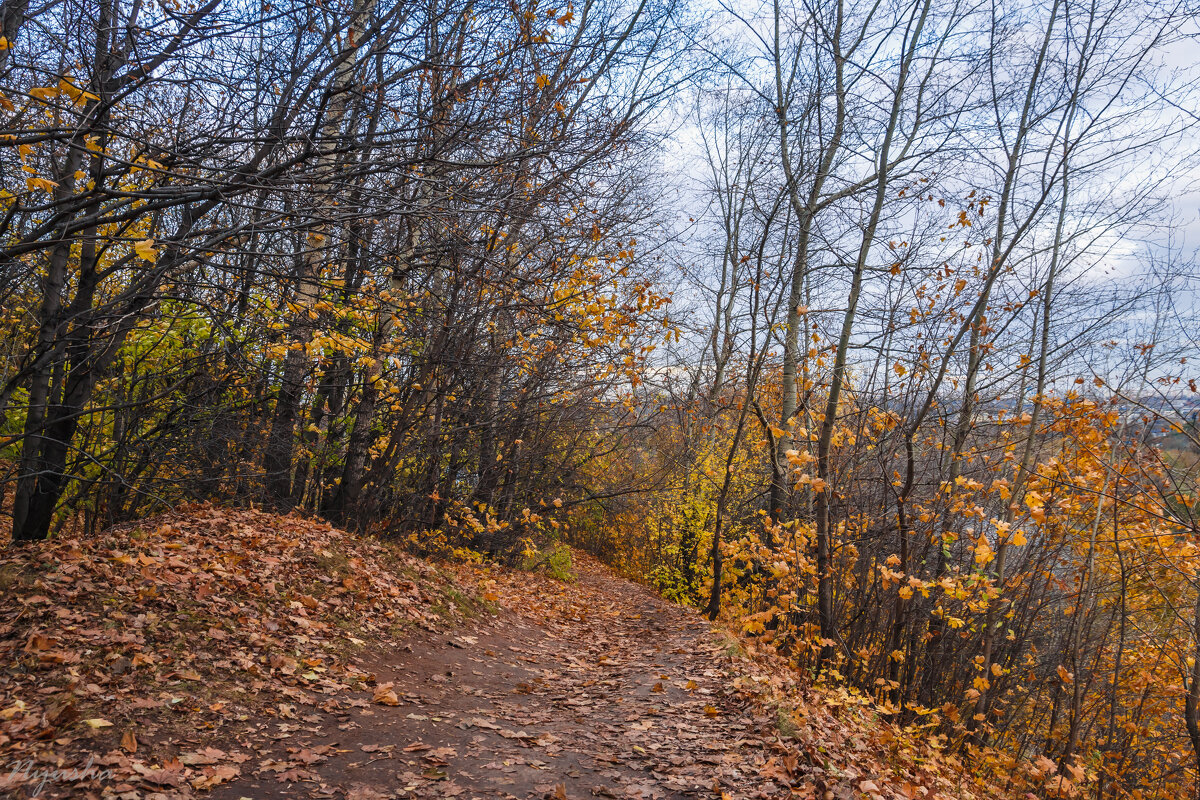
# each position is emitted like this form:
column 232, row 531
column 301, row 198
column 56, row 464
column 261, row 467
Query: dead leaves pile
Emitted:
column 177, row 627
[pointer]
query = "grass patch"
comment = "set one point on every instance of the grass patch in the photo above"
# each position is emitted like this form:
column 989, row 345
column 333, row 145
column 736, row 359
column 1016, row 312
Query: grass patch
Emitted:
column 334, row 562
column 733, row 647
column 554, row 561
column 786, row 723
column 13, row 576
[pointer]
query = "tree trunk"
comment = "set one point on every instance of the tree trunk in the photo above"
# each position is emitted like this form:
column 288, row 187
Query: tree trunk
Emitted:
column 277, row 455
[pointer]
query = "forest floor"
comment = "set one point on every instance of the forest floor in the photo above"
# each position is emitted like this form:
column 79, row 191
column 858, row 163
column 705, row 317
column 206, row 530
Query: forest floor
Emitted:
column 617, row 695
column 236, row 654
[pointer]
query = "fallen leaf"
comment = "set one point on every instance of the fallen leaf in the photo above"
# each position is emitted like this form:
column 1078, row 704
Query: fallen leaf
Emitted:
column 385, row 695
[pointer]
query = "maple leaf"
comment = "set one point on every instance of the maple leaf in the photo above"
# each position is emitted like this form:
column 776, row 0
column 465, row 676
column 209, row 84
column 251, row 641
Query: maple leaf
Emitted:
column 214, row 776
column 40, row 184
column 295, row 775
column 146, row 250
column 1045, row 766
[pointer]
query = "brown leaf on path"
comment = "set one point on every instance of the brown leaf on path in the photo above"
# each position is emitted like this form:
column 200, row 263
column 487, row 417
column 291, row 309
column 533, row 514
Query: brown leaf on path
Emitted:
column 62, row 711
column 296, row 775
column 208, row 755
column 39, row 641
column 213, row 776
column 170, row 774
column 385, row 695
column 364, row 792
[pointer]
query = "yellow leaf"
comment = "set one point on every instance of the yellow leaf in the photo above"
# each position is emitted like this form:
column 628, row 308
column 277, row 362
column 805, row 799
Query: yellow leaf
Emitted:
column 983, row 552
column 69, row 89
column 145, row 249
column 40, row 183
column 98, row 723
column 16, row 708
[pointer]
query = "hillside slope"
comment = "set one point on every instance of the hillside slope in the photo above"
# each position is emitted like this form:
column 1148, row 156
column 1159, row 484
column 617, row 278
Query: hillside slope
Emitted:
column 238, row 654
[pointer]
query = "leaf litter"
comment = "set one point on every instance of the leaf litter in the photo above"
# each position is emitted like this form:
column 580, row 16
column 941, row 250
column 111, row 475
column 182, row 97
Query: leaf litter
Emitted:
column 232, row 654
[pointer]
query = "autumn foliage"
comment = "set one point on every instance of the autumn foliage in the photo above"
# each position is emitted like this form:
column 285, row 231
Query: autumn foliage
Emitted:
column 908, row 402
column 1039, row 622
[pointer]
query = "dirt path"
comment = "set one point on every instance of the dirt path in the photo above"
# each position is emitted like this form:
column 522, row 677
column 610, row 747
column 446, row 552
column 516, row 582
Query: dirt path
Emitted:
column 613, row 694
